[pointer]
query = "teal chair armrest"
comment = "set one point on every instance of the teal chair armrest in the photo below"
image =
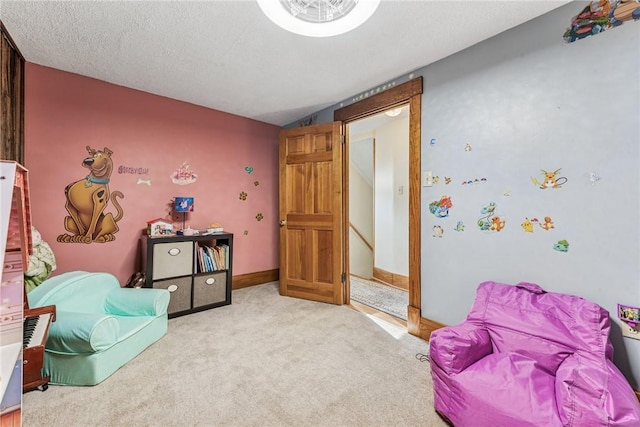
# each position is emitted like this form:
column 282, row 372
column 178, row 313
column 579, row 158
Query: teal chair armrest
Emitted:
column 77, row 333
column 137, row 302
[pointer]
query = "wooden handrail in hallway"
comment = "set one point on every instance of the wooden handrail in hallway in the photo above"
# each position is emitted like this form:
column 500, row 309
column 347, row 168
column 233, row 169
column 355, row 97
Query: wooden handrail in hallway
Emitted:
column 359, row 234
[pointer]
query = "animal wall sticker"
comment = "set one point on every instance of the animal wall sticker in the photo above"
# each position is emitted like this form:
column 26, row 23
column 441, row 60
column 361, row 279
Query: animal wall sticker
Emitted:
column 244, row 195
column 440, row 208
column 528, row 224
column 561, row 246
column 547, row 223
column 593, row 178
column 601, row 15
column 489, row 220
column 550, row 180
column 87, row 200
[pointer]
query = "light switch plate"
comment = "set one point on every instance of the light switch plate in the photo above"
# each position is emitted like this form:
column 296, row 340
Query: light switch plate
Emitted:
column 629, row 332
column 427, row 178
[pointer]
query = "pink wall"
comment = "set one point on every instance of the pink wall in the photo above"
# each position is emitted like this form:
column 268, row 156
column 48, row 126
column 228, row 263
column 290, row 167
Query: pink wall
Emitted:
column 65, row 112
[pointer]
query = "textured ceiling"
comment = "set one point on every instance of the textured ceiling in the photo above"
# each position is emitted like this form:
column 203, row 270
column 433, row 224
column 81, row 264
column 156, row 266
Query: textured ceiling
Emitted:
column 228, row 56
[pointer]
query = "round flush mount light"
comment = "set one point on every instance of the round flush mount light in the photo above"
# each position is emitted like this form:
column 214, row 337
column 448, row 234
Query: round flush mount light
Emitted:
column 318, row 18
column 393, row 113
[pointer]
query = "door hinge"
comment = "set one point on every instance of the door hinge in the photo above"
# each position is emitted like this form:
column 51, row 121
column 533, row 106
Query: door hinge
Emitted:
column 342, row 139
column 343, row 277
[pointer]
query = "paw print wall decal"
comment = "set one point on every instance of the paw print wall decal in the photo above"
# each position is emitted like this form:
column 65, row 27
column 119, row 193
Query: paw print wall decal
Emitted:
column 244, row 195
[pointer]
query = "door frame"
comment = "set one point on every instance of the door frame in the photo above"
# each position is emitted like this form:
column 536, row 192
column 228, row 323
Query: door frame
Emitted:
column 405, row 93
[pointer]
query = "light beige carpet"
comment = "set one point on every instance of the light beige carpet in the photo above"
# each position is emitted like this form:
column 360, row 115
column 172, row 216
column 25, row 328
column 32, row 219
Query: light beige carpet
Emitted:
column 265, row 360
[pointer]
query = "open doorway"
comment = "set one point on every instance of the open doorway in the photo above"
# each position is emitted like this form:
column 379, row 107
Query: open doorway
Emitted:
column 378, row 213
column 409, row 92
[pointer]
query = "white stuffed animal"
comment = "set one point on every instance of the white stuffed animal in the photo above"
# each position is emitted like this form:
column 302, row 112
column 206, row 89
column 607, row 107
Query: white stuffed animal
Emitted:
column 41, row 263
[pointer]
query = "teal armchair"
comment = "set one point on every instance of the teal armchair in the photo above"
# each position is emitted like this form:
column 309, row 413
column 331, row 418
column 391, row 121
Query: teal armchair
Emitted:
column 99, row 325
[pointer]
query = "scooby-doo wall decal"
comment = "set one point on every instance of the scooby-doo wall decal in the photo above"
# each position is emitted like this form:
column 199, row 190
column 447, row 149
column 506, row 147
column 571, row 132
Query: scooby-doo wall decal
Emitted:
column 87, row 200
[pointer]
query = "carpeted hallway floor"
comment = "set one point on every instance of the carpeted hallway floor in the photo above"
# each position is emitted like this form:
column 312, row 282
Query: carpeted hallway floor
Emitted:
column 385, row 298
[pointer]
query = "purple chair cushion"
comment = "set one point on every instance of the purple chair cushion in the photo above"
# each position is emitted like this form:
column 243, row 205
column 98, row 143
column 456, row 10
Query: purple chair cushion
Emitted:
column 524, row 357
column 510, row 400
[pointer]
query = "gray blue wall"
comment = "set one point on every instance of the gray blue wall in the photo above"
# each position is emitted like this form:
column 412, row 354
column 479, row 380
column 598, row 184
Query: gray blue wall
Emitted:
column 524, row 101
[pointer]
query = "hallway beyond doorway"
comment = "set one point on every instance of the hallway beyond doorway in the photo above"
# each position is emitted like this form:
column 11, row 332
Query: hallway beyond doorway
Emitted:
column 385, row 298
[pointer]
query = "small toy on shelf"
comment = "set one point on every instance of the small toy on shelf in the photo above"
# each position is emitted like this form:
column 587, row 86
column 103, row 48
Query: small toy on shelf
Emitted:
column 188, row 232
column 215, row 227
column 159, row 227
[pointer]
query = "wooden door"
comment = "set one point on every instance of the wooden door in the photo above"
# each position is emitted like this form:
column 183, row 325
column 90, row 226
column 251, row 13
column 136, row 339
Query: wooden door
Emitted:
column 311, row 256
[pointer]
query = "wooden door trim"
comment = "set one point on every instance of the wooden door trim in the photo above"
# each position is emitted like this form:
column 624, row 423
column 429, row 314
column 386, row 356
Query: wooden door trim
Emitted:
column 405, row 93
column 400, row 94
column 13, row 44
column 12, row 91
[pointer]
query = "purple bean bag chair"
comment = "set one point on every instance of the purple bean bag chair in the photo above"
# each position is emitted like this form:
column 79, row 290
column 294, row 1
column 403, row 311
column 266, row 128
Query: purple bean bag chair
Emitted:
column 527, row 357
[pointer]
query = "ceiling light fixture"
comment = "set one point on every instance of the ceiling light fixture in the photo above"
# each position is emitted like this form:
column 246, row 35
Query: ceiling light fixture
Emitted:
column 393, row 113
column 318, row 18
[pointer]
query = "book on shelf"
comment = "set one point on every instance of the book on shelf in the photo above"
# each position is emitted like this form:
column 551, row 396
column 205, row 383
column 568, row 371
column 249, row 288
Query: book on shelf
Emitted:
column 212, row 258
column 226, row 256
column 207, row 262
column 199, row 258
